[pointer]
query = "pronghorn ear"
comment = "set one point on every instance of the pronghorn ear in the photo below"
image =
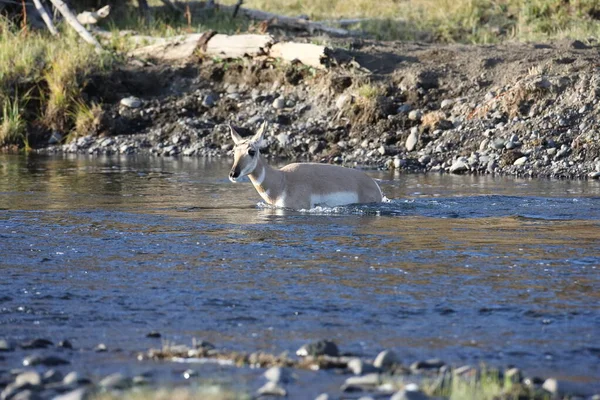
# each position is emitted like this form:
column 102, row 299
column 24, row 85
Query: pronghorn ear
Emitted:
column 234, row 135
column 258, row 138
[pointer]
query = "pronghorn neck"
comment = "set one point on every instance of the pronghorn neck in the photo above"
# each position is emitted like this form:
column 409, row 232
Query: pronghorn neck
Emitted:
column 267, row 180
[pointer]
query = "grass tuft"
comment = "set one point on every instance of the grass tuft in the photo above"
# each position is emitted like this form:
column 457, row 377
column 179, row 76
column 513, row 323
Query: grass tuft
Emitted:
column 13, row 125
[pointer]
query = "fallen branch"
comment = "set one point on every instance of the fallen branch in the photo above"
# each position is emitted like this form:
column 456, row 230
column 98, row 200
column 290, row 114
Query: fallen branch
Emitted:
column 72, row 20
column 285, row 22
column 44, row 14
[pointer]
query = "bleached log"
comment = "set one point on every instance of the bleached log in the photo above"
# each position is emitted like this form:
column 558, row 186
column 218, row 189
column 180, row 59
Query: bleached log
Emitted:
column 92, row 17
column 171, row 49
column 283, row 21
column 236, row 46
column 72, row 20
column 308, row 54
column 44, row 14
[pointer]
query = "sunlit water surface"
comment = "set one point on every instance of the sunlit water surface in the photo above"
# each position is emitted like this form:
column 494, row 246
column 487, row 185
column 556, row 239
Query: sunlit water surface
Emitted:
column 462, row 268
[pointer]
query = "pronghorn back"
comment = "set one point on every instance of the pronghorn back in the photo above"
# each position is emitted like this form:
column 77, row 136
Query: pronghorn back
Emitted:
column 329, row 185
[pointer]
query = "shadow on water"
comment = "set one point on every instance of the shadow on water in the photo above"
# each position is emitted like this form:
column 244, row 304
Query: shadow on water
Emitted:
column 466, row 269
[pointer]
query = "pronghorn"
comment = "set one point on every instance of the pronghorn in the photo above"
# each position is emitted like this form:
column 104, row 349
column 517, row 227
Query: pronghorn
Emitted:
column 300, row 185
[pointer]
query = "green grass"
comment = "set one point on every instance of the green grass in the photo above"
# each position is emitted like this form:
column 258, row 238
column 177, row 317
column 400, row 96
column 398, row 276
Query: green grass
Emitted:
column 12, row 125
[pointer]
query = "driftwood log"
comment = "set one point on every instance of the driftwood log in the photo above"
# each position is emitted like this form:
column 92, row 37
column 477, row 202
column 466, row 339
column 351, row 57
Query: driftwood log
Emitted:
column 45, row 17
column 233, row 46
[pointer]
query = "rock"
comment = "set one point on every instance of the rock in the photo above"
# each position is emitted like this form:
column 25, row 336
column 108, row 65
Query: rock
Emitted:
column 459, row 167
column 140, row 380
column 279, row 103
column 74, row 378
column 579, row 45
column 410, row 392
column 55, row 138
column 271, row 389
column 399, row 163
column 115, row 381
column 319, row 348
column 433, row 363
column 411, row 141
column 203, row 344
column 415, row 115
column 386, row 359
column 49, row 361
column 342, row 100
column 278, row 375
column 5, row 345
column 360, row 367
column 26, row 395
column 594, row 175
column 521, row 160
column 322, row 396
column 77, row 394
column 404, row 109
column 209, row 100
column 424, row 159
column 446, row 103
column 32, row 378
column 368, row 380
column 560, row 388
column 100, row 348
column 131, row 102
column 153, row 334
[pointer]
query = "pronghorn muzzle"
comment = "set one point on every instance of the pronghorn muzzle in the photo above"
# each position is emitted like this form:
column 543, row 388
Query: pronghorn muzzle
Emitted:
column 234, row 173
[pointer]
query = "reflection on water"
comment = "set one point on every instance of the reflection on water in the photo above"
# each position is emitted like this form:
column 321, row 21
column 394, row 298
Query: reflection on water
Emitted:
column 462, row 268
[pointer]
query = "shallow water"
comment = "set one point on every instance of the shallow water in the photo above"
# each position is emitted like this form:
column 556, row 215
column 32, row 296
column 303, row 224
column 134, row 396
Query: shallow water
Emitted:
column 462, row 268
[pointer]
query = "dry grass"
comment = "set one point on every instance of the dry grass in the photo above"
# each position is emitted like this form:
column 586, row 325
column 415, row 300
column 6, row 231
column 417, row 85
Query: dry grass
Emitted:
column 468, row 21
column 55, row 69
column 203, row 392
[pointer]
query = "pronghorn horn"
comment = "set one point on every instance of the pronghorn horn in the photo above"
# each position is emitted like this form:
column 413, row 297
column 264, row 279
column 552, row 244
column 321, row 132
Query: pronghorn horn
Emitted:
column 234, row 135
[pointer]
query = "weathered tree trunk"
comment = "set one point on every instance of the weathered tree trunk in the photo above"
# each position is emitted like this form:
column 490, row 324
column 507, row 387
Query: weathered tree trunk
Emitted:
column 44, row 14
column 72, row 20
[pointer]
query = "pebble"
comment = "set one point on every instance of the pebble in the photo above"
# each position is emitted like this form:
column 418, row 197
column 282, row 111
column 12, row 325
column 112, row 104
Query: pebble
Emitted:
column 367, row 380
column 410, row 393
column 32, row 378
column 323, row 396
column 153, row 334
column 360, row 367
column 386, row 359
column 101, row 347
column 279, row 103
column 77, row 394
column 74, row 378
column 272, row 389
column 131, row 102
column 26, row 395
column 319, row 348
column 278, row 375
column 446, row 103
column 404, row 109
column 5, row 345
column 594, row 175
column 415, row 115
column 521, row 160
column 411, row 141
column 189, row 373
column 115, row 381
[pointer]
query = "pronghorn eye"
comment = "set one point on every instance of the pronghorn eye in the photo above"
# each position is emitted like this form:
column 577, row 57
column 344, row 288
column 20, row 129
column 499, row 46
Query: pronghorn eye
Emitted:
column 251, row 152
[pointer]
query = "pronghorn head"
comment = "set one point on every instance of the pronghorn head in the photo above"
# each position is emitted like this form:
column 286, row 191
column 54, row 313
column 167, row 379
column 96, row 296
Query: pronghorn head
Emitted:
column 245, row 152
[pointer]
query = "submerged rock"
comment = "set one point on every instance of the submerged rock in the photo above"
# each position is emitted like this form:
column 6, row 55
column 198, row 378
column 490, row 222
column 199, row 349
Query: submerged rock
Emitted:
column 319, row 348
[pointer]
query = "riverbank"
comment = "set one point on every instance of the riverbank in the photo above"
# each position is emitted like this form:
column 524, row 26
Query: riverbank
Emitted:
column 513, row 109
column 45, row 372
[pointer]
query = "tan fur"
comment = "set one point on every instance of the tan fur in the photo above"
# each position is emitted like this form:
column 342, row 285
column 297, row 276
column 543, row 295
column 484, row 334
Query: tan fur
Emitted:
column 301, row 185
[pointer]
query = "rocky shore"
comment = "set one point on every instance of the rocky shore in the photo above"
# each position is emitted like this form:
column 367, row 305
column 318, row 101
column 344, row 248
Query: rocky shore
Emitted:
column 527, row 110
column 44, row 372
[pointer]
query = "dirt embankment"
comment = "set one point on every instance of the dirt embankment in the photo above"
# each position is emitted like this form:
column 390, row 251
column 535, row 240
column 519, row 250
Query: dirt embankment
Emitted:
column 519, row 109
